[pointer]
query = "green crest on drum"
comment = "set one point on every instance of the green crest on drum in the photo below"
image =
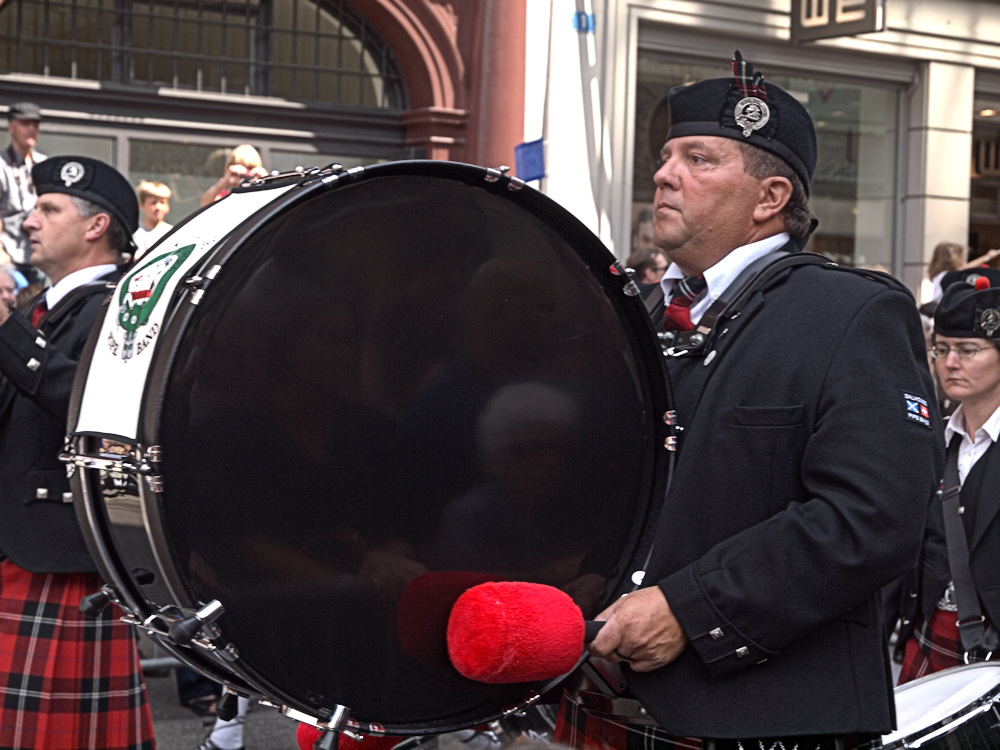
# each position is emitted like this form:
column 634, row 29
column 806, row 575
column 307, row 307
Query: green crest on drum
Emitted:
column 142, row 288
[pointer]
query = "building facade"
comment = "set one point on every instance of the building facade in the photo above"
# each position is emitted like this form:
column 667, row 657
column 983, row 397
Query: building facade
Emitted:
column 163, row 90
column 906, row 117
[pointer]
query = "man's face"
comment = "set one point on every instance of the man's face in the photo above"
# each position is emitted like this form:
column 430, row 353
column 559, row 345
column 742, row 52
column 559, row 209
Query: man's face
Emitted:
column 155, row 208
column 57, row 233
column 8, row 289
column 704, row 201
column 23, row 134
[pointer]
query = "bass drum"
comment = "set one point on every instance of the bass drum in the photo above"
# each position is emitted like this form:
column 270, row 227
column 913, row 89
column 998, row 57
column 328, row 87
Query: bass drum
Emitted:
column 324, row 406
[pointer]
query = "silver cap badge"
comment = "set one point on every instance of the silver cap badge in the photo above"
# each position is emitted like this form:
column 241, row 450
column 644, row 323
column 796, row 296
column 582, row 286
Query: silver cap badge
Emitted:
column 751, row 114
column 71, row 172
column 990, row 320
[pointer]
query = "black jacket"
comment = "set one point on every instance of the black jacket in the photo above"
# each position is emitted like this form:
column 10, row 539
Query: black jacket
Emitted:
column 38, row 525
column 801, row 488
column 920, row 591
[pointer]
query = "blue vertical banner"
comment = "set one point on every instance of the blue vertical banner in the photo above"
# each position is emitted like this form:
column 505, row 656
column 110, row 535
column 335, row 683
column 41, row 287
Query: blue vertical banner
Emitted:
column 529, row 160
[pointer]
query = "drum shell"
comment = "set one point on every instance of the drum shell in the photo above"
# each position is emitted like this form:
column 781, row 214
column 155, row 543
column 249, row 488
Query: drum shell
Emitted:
column 178, row 381
column 954, row 708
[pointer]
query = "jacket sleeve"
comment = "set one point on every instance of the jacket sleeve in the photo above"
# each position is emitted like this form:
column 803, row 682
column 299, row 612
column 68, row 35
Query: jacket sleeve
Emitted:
column 855, row 518
column 38, row 369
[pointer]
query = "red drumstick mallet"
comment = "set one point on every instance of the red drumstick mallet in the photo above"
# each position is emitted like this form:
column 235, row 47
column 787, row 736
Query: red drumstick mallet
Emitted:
column 511, row 631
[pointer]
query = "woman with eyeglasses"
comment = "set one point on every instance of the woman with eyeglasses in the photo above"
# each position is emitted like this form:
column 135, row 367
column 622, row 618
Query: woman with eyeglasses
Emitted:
column 957, row 578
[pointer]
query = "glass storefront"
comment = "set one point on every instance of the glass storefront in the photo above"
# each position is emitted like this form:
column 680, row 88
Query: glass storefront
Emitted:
column 854, row 188
column 984, row 213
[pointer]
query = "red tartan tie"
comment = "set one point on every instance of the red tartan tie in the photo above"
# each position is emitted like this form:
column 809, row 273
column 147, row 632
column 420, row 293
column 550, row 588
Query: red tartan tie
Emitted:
column 677, row 315
column 39, row 312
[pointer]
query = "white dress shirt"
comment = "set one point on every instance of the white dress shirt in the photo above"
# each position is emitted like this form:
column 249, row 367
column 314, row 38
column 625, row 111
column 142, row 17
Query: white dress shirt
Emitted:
column 722, row 274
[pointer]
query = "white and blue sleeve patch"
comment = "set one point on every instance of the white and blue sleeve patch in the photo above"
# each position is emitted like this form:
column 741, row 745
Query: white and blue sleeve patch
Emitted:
column 916, row 409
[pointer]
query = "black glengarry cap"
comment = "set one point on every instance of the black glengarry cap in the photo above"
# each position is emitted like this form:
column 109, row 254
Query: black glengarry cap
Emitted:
column 747, row 109
column 92, row 180
column 968, row 311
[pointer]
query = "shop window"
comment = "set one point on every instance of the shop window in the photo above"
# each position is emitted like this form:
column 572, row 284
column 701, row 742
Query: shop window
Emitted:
column 306, row 50
column 984, row 218
column 853, row 190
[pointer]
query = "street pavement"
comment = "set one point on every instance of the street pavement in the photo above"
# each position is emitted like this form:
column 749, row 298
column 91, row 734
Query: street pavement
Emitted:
column 178, row 728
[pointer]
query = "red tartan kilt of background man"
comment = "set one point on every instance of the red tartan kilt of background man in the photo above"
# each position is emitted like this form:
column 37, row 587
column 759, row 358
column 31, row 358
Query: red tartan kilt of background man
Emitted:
column 934, row 647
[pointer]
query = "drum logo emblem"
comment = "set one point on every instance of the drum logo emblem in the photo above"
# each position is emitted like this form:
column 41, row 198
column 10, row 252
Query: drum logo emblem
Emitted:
column 138, row 295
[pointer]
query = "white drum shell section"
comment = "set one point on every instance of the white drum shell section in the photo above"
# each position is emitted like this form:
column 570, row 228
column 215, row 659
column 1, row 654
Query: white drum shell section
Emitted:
column 924, row 704
column 112, row 397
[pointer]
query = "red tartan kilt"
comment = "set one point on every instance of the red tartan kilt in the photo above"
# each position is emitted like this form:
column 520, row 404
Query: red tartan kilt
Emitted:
column 67, row 682
column 578, row 728
column 933, row 647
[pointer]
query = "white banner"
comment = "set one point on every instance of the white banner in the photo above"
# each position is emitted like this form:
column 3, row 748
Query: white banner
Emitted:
column 112, row 396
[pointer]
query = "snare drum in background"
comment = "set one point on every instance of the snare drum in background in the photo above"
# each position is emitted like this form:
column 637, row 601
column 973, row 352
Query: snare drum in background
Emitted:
column 956, row 709
column 326, row 405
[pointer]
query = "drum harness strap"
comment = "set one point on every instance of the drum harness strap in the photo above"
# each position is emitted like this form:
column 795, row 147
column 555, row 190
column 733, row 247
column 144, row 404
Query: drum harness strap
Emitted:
column 976, row 638
column 729, row 303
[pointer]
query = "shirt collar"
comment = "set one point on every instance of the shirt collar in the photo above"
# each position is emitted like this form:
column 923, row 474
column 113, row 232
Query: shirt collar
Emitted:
column 722, row 274
column 956, row 426
column 55, row 293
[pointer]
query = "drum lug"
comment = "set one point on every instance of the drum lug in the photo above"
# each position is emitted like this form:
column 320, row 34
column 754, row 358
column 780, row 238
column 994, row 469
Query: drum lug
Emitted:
column 494, row 175
column 155, row 483
column 183, row 631
column 92, row 605
column 200, row 283
column 337, row 721
column 512, row 711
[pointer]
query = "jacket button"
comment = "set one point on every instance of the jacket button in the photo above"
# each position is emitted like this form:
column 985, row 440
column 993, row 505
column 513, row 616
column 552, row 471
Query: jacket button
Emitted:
column 716, row 633
column 41, row 494
column 742, row 651
column 33, row 364
column 67, row 497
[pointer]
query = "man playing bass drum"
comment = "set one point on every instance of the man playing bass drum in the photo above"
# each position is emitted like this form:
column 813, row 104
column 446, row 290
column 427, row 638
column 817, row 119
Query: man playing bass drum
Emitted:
column 807, row 456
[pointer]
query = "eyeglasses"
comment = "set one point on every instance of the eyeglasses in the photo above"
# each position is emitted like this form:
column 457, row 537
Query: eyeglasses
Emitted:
column 964, row 351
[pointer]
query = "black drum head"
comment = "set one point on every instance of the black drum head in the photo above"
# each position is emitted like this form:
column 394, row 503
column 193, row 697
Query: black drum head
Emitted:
column 396, row 389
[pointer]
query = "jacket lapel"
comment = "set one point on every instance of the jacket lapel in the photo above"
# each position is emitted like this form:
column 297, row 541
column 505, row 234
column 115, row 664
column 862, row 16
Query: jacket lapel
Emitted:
column 987, row 501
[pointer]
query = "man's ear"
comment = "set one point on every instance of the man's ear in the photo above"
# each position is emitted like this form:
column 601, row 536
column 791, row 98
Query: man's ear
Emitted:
column 97, row 226
column 775, row 192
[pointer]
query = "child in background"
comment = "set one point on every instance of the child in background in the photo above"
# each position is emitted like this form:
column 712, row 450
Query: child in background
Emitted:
column 154, row 204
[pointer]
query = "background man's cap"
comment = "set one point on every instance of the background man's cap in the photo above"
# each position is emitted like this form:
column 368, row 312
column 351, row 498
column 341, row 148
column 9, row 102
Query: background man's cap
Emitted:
column 24, row 111
column 970, row 275
column 746, row 109
column 968, row 311
column 92, row 180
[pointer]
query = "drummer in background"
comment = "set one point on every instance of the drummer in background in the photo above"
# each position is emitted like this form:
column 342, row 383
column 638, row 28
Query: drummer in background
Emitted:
column 966, row 353
column 66, row 681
